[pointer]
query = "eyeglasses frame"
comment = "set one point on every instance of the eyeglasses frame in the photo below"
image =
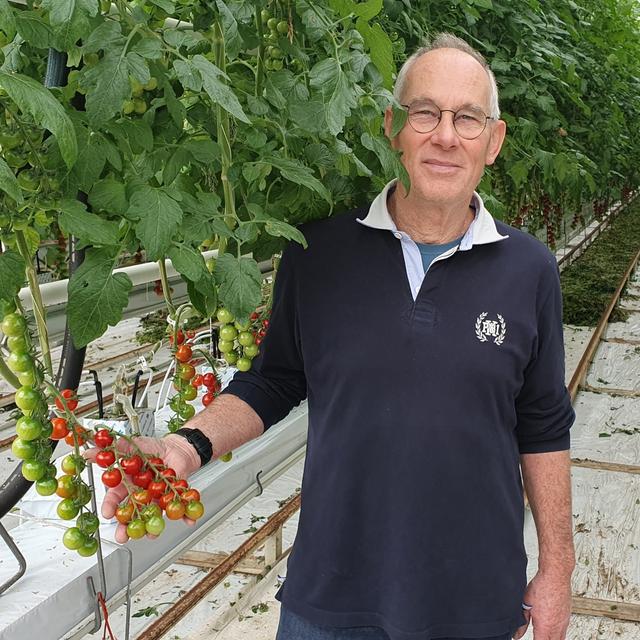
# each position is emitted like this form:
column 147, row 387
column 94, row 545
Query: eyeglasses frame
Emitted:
column 453, row 121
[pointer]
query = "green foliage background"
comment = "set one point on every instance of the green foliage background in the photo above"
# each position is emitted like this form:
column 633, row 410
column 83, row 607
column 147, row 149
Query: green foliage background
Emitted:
column 192, row 124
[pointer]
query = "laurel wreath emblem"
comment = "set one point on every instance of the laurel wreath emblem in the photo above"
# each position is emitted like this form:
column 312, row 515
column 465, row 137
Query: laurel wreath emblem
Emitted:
column 499, row 339
column 479, row 333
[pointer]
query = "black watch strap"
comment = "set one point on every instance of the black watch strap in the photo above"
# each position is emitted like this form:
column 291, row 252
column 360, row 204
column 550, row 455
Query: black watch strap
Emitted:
column 200, row 443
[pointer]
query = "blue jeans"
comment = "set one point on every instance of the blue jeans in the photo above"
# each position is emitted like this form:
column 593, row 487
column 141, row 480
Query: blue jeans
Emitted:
column 293, row 627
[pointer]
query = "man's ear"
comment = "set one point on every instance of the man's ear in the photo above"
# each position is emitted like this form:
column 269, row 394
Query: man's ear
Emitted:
column 498, row 132
column 388, row 125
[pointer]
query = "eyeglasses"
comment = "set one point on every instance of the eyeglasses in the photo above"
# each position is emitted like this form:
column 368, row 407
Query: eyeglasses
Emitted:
column 424, row 117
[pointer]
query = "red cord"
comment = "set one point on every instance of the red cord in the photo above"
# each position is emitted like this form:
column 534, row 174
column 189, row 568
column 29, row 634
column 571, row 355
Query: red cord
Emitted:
column 105, row 614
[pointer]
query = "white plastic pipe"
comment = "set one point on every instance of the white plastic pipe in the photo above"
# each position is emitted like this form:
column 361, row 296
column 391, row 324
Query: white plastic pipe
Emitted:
column 54, row 293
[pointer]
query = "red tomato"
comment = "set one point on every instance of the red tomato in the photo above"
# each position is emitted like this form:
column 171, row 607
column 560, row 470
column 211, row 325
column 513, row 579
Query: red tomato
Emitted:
column 197, row 380
column 60, row 428
column 165, row 499
column 180, row 337
column 207, row 399
column 180, row 485
column 190, row 494
column 80, row 432
column 209, row 380
column 156, row 488
column 175, row 510
column 70, row 398
column 183, row 353
column 143, row 479
column 131, row 465
column 105, row 458
column 124, row 513
column 103, row 438
column 157, row 462
column 186, row 371
column 141, row 497
column 191, row 334
column 168, row 473
column 111, row 477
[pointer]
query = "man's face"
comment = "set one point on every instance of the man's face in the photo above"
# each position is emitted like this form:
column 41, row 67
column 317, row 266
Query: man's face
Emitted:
column 445, row 168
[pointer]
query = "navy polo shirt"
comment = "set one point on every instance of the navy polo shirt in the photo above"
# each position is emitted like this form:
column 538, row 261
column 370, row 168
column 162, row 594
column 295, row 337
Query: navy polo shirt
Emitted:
column 423, row 391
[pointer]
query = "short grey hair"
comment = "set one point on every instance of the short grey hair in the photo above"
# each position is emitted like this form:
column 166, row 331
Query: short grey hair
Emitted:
column 449, row 41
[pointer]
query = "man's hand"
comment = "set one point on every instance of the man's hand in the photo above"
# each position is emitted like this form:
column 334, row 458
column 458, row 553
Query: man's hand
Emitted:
column 550, row 599
column 174, row 450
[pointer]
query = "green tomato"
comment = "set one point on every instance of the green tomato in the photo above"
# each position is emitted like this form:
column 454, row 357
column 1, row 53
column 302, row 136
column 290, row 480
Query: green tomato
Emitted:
column 243, row 364
column 276, row 53
column 139, row 106
column 31, row 378
column 28, row 428
column 283, row 27
column 265, row 14
column 83, row 495
column 272, row 23
column 223, row 315
column 46, row 486
column 225, row 346
column 14, row 325
column 128, row 107
column 91, row 59
column 228, row 332
column 15, row 160
column 189, row 393
column 151, row 510
column 273, row 38
column 187, row 411
column 89, row 548
column 34, row 470
column 23, row 449
column 73, row 464
column 73, row 538
column 136, row 529
column 176, row 402
column 6, row 307
column 231, row 357
column 252, row 350
column 88, row 522
column 28, row 398
column 18, row 344
column 67, row 509
column 10, row 140
column 20, row 362
column 136, row 88
column 151, row 85
column 155, row 525
column 246, row 338
column 28, row 181
column 277, row 65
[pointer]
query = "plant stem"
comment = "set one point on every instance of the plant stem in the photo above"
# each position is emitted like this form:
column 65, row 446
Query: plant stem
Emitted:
column 224, row 141
column 38, row 306
column 7, row 374
column 166, row 289
column 260, row 68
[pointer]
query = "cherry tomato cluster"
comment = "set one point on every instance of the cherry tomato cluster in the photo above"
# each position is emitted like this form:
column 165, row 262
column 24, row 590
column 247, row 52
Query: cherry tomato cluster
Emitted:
column 153, row 488
column 239, row 342
column 277, row 30
column 32, row 428
column 187, row 381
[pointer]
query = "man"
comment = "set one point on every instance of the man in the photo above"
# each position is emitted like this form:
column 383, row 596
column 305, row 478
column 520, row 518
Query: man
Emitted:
column 426, row 391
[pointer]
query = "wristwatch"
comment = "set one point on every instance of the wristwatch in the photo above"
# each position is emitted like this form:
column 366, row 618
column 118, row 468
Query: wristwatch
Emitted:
column 199, row 441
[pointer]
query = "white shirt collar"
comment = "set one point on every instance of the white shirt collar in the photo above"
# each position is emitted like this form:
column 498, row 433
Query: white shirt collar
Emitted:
column 481, row 231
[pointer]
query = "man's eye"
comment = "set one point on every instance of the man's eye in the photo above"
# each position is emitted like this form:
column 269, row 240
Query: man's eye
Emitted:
column 426, row 113
column 467, row 117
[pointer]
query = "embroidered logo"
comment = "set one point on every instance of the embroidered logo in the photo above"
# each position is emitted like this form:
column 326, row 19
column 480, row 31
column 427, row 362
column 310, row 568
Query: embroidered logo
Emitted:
column 495, row 329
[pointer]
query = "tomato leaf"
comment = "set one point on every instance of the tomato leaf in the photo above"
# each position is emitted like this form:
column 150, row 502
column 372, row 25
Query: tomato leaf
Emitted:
column 219, row 92
column 109, row 195
column 187, row 261
column 97, row 297
column 106, row 36
column 12, row 276
column 89, row 227
column 338, row 96
column 108, row 83
column 70, row 19
column 204, row 295
column 380, row 49
column 33, row 98
column 240, row 282
column 34, row 29
column 284, row 230
column 159, row 216
column 8, row 19
column 8, row 182
column 296, row 172
column 232, row 41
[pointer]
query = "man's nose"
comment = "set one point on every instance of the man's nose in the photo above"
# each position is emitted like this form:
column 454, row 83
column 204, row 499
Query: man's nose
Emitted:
column 445, row 134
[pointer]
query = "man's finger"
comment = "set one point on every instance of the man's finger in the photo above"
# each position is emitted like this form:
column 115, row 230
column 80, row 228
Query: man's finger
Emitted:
column 121, row 534
column 112, row 499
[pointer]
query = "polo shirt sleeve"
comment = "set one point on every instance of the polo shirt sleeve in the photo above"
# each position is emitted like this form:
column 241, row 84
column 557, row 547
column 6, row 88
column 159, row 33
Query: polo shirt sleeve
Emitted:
column 543, row 406
column 276, row 381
